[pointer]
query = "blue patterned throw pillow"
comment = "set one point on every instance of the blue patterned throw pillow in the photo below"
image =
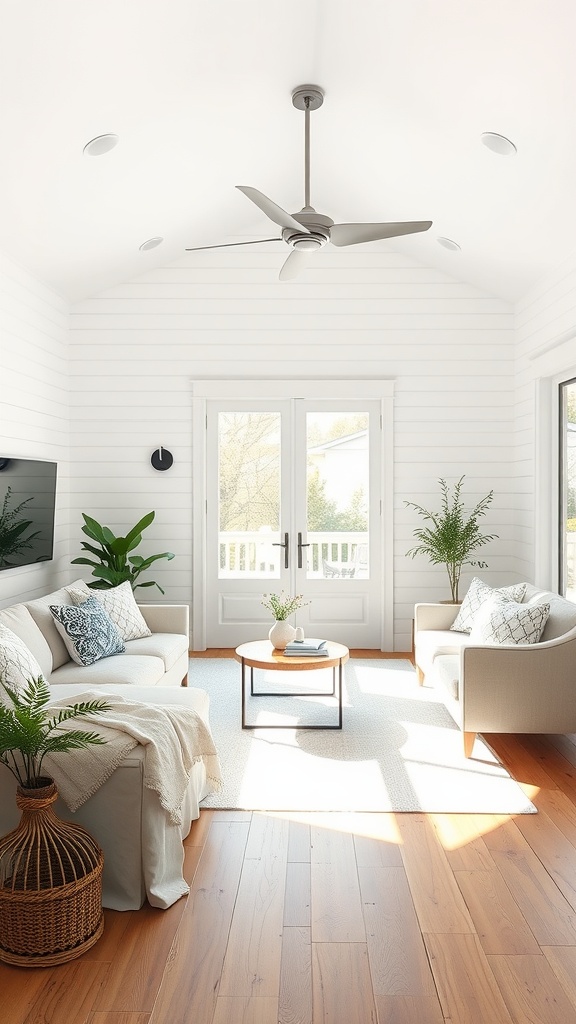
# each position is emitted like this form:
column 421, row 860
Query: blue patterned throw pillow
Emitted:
column 87, row 631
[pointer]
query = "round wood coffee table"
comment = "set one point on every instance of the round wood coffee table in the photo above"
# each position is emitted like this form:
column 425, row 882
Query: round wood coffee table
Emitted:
column 261, row 654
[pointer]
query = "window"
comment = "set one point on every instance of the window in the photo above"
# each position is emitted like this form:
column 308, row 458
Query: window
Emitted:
column 567, row 490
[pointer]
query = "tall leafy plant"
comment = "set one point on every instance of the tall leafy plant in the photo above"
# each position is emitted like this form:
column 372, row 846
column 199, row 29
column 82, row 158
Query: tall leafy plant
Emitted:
column 114, row 564
column 12, row 529
column 452, row 534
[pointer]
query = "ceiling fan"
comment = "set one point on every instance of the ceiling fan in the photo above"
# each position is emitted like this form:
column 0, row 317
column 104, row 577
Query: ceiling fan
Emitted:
column 307, row 231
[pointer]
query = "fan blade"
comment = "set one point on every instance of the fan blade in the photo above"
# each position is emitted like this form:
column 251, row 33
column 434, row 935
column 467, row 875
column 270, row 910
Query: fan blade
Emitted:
column 296, row 262
column 274, row 212
column 226, row 245
column 351, row 234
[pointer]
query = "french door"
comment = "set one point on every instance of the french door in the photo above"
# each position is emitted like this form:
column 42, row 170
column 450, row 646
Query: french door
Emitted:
column 292, row 504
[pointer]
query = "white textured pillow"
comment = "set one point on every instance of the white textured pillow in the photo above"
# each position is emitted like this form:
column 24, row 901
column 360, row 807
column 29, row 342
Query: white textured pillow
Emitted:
column 120, row 605
column 17, row 663
column 478, row 592
column 507, row 622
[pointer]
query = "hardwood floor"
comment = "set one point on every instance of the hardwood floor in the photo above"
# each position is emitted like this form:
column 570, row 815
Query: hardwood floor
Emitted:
column 346, row 919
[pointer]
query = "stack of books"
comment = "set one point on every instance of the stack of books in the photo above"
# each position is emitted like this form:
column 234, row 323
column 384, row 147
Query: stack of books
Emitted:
column 310, row 647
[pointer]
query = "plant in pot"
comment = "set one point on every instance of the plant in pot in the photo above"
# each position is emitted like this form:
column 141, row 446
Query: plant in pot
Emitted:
column 452, row 534
column 282, row 605
column 50, row 869
column 114, row 564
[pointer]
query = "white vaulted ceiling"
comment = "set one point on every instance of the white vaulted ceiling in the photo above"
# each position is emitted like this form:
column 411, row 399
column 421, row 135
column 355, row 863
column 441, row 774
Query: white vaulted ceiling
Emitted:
column 199, row 94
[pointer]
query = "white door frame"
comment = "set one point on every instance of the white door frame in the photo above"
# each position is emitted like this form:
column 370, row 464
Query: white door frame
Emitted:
column 204, row 390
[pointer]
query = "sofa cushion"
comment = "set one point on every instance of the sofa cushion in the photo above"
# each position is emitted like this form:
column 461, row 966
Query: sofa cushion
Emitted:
column 500, row 621
column 562, row 617
column 17, row 663
column 40, row 612
column 87, row 631
column 18, row 619
column 120, row 605
column 433, row 642
column 478, row 592
column 168, row 646
column 133, row 670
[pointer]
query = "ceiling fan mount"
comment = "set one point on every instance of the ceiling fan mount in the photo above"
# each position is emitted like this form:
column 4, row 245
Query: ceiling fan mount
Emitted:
column 307, row 231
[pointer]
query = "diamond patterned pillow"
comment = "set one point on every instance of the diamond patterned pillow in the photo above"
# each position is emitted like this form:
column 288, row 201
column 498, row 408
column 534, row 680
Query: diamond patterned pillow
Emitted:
column 87, row 631
column 478, row 592
column 17, row 663
column 120, row 605
column 506, row 622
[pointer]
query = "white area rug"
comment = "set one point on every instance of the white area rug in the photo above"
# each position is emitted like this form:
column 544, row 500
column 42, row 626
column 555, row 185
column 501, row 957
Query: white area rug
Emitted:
column 399, row 748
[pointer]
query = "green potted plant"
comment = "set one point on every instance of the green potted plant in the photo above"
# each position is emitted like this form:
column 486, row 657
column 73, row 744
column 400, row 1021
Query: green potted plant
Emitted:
column 114, row 564
column 13, row 528
column 452, row 534
column 28, row 731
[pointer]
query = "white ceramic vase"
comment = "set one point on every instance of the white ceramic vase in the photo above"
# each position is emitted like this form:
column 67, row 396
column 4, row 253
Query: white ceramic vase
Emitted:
column 281, row 633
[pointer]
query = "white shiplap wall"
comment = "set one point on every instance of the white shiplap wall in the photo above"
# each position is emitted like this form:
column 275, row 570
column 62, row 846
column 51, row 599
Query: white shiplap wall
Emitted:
column 449, row 348
column 546, row 348
column 34, row 408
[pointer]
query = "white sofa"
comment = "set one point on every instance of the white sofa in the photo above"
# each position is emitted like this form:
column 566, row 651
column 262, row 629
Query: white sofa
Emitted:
column 157, row 660
column 143, row 851
column 504, row 688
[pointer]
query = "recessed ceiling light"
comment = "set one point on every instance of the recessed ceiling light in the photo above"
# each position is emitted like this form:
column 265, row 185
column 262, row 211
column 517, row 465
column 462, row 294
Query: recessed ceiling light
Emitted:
column 498, row 143
column 150, row 243
column 447, row 243
column 101, row 144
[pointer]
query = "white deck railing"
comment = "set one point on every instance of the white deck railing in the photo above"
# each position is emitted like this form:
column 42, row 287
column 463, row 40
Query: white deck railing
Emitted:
column 245, row 554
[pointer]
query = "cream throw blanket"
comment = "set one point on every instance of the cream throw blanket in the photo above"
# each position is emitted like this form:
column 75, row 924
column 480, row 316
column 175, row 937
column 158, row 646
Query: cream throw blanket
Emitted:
column 174, row 738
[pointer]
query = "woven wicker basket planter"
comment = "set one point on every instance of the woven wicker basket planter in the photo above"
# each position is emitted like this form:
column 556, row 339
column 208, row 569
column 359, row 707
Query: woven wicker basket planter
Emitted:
column 50, row 885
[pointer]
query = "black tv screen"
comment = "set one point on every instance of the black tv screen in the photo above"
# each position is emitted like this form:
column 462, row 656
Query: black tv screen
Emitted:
column 27, row 506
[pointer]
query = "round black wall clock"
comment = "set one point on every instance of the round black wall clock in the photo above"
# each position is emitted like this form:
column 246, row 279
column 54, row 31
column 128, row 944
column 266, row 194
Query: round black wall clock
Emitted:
column 161, row 459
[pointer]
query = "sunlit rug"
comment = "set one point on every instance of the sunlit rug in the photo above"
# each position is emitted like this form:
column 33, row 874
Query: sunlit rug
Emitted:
column 399, row 748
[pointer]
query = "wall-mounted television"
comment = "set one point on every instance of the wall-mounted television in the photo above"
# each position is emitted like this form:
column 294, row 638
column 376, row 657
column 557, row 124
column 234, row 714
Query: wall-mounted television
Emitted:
column 27, row 506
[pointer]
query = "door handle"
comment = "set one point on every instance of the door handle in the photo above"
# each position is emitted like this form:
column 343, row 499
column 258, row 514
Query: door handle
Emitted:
column 300, row 546
column 286, row 546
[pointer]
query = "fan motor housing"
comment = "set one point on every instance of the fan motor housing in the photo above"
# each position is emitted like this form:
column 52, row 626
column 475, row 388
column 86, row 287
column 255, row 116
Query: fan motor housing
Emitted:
column 317, row 233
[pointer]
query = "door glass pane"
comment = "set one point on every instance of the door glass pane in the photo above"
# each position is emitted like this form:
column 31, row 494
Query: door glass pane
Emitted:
column 249, row 495
column 337, row 495
column 568, row 490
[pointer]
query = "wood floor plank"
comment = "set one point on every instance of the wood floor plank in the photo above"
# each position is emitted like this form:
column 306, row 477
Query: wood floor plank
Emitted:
column 199, row 828
column 108, row 946
column 552, row 848
column 111, row 1017
column 334, row 871
column 460, row 836
column 295, row 1003
column 17, row 998
column 299, row 841
column 438, row 901
column 71, row 994
column 466, row 985
column 398, row 961
column 377, row 841
column 531, row 989
column 546, row 911
column 192, row 973
column 408, row 1010
column 298, row 897
column 562, row 960
column 497, row 918
column 342, row 991
column 252, row 962
column 258, row 1010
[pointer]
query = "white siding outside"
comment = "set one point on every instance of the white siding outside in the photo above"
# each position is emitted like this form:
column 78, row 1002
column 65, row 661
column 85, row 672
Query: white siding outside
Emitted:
column 34, row 409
